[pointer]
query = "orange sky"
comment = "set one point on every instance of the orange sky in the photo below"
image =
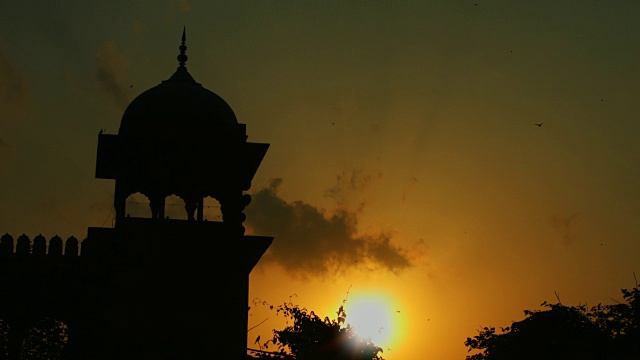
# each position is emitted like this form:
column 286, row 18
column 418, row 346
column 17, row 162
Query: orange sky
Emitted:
column 404, row 158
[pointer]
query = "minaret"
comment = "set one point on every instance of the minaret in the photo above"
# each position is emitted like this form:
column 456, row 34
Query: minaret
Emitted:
column 178, row 288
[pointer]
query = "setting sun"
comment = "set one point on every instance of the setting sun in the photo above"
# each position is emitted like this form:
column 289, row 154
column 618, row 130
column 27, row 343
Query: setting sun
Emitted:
column 372, row 317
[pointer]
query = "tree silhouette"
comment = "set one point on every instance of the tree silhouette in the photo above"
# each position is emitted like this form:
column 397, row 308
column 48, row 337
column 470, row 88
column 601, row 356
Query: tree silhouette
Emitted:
column 44, row 340
column 311, row 337
column 566, row 332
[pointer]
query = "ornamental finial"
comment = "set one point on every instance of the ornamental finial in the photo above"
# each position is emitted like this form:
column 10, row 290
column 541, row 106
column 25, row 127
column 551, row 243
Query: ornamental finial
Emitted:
column 182, row 58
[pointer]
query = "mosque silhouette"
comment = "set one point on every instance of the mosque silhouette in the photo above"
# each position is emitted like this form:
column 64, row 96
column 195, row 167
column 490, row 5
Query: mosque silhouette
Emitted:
column 146, row 288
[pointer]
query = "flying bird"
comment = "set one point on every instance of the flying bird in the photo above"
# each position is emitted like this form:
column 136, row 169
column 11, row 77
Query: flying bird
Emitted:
column 538, row 124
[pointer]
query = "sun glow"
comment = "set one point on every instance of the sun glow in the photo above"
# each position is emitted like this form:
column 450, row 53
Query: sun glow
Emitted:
column 372, row 317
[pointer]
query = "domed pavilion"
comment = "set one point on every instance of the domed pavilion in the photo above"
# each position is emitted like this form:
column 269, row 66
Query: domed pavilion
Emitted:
column 150, row 287
column 179, row 138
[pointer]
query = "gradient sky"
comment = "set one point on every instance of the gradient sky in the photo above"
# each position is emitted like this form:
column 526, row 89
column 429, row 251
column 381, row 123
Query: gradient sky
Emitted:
column 404, row 160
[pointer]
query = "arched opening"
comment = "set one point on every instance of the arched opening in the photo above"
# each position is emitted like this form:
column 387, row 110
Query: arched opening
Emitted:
column 212, row 210
column 174, row 208
column 137, row 205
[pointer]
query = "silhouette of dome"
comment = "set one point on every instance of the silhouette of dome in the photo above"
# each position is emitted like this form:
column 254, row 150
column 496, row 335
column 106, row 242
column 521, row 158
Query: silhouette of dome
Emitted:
column 177, row 107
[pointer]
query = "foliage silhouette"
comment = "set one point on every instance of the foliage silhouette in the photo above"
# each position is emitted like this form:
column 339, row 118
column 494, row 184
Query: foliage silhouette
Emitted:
column 44, row 340
column 311, row 337
column 566, row 332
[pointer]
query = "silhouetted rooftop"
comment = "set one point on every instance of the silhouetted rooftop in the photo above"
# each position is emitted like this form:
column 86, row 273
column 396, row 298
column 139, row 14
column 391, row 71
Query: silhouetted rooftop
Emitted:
column 176, row 107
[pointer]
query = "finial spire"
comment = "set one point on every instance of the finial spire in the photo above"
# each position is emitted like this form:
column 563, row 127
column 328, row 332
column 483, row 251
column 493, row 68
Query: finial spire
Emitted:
column 182, row 58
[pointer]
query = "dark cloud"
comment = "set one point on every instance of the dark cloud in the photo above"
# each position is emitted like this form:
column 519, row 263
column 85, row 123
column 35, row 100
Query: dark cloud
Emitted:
column 112, row 66
column 562, row 226
column 348, row 183
column 312, row 242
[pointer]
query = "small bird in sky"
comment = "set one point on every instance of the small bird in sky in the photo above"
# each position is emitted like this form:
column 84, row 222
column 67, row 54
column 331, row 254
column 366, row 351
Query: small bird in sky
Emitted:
column 538, row 124
column 257, row 339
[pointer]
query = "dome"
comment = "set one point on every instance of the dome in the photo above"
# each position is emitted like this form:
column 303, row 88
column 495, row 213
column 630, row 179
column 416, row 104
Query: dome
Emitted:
column 178, row 106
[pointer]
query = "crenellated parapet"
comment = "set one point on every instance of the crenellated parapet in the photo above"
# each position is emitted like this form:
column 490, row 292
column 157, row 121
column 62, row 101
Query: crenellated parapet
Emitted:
column 39, row 246
column 47, row 280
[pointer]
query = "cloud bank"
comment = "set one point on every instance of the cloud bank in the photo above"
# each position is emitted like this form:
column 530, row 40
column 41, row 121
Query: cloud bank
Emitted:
column 312, row 242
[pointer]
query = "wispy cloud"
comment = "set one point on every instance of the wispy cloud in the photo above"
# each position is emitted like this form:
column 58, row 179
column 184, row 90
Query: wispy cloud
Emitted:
column 184, row 5
column 351, row 182
column 5, row 151
column 138, row 26
column 310, row 241
column 110, row 73
column 409, row 187
column 563, row 227
column 15, row 97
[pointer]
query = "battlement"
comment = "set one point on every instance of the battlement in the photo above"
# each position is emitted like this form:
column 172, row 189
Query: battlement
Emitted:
column 24, row 246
